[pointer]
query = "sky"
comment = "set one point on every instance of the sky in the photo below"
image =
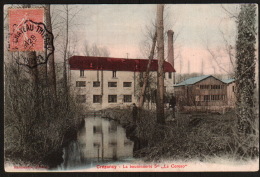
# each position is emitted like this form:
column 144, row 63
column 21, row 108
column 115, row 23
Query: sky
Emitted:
column 121, row 28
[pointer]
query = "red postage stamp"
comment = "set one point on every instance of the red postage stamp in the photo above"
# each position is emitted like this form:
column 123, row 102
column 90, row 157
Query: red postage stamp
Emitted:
column 26, row 33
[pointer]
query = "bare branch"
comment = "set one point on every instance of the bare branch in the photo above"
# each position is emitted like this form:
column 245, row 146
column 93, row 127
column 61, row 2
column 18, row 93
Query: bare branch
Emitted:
column 231, row 15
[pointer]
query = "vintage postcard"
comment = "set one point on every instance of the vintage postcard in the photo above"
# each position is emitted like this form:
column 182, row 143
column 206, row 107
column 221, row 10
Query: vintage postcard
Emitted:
column 131, row 88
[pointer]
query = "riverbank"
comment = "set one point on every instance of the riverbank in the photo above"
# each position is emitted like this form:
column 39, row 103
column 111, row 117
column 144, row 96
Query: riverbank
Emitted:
column 190, row 136
column 48, row 160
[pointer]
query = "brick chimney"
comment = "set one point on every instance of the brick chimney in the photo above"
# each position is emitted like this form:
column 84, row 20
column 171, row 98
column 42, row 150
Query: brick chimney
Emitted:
column 171, row 51
column 170, row 47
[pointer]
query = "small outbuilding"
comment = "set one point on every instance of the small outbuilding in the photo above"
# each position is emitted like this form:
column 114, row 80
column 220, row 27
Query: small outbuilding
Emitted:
column 202, row 92
column 231, row 97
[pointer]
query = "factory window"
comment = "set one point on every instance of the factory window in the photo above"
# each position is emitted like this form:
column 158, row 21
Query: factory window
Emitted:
column 96, row 145
column 127, row 143
column 204, row 86
column 215, row 87
column 81, row 98
column 112, row 128
column 127, row 98
column 112, row 143
column 223, row 97
column 97, row 129
column 114, row 74
column 112, row 98
column 81, row 73
column 170, row 75
column 80, row 83
column 141, row 75
column 206, row 97
column 112, row 84
column 97, row 98
column 215, row 97
column 127, row 84
column 96, row 84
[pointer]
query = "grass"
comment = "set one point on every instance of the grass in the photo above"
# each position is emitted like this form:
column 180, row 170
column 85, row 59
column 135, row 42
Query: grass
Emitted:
column 191, row 136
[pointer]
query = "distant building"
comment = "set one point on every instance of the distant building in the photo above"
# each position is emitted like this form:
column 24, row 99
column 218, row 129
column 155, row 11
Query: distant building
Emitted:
column 230, row 92
column 102, row 82
column 201, row 92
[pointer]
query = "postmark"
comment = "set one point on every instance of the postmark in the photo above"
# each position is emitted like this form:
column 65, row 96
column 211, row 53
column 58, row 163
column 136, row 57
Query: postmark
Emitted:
column 28, row 32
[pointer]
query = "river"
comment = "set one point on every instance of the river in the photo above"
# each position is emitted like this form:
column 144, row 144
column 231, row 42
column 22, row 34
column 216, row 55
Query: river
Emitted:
column 99, row 141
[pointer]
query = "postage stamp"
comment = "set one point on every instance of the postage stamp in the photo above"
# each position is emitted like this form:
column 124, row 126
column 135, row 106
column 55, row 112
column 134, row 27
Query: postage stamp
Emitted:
column 28, row 32
column 25, row 32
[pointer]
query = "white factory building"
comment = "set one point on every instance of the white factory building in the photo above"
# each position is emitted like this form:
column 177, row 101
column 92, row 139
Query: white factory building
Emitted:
column 102, row 82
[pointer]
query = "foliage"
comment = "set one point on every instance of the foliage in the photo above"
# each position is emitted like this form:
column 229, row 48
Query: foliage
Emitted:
column 95, row 50
column 213, row 136
column 150, row 93
column 245, row 71
column 35, row 123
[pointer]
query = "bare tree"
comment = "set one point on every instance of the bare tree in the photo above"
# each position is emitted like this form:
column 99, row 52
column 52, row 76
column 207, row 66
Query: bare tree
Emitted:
column 146, row 77
column 51, row 62
column 65, row 79
column 227, row 48
column 95, row 50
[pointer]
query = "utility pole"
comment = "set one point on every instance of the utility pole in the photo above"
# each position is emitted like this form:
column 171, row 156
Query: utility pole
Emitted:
column 160, row 71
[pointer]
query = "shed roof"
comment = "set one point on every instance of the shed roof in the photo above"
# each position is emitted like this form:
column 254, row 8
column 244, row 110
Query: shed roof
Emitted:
column 194, row 80
column 228, row 81
column 114, row 64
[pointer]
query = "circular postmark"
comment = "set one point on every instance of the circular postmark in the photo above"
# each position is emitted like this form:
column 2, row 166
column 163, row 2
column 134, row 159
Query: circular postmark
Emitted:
column 29, row 34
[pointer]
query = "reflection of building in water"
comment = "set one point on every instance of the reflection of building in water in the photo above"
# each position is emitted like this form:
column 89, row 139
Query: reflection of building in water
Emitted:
column 104, row 139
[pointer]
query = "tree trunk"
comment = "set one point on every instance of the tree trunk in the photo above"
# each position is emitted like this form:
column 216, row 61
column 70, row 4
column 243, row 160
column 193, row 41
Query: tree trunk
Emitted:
column 141, row 101
column 51, row 62
column 160, row 72
column 65, row 53
column 245, row 71
column 34, row 76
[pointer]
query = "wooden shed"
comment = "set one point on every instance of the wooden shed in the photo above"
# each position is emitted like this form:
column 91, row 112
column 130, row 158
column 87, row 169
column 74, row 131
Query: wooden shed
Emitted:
column 231, row 98
column 201, row 91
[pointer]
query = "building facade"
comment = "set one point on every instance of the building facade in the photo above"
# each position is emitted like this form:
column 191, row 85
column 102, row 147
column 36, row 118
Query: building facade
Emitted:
column 202, row 91
column 231, row 99
column 102, row 82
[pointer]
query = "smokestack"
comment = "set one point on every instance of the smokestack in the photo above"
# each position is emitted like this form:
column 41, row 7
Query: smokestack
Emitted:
column 170, row 50
column 170, row 47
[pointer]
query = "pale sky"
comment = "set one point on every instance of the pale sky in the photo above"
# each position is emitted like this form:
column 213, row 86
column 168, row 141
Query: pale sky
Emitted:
column 120, row 28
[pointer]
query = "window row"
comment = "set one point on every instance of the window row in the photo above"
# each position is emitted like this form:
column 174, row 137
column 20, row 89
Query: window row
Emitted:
column 98, row 98
column 213, row 97
column 111, row 128
column 82, row 74
column 97, row 84
column 169, row 75
column 211, row 86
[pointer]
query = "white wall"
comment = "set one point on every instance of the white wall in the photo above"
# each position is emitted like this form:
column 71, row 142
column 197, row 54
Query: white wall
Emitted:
column 121, row 76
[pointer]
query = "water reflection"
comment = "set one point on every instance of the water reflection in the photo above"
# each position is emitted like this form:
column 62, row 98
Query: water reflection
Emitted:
column 98, row 141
